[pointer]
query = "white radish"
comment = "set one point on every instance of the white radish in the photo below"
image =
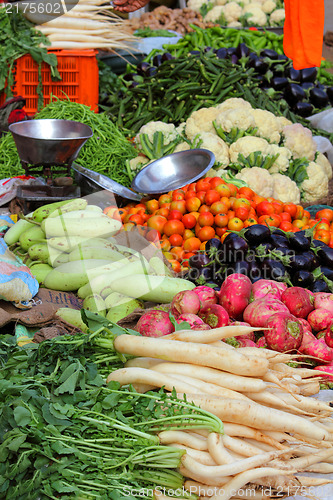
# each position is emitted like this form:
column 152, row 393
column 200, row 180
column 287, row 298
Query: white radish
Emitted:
column 217, row 450
column 184, row 438
column 212, row 335
column 204, row 355
column 207, row 388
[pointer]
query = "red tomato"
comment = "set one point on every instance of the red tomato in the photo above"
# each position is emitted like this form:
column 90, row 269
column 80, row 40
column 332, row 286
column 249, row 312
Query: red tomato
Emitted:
column 250, row 222
column 173, row 227
column 235, row 224
column 265, row 208
column 291, row 209
column 206, row 219
column 175, row 215
column 270, row 220
column 211, row 197
column 241, row 202
column 285, row 216
column 201, row 195
column 190, row 194
column 286, row 225
column 157, row 222
column 176, row 240
column 189, row 221
column 192, row 204
column 137, row 219
column 233, row 189
column 152, row 205
column 204, row 208
column 219, row 208
column 242, row 213
column 223, row 190
column 221, row 220
column 299, row 212
column 322, row 235
column 246, row 192
column 220, row 231
column 326, row 213
column 215, row 181
column 178, row 194
column 206, row 233
column 192, row 244
column 164, row 198
column 176, row 266
column 178, row 205
column 188, row 234
column 203, row 184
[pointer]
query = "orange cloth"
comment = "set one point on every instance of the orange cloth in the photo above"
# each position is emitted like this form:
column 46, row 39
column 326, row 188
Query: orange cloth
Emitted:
column 303, row 32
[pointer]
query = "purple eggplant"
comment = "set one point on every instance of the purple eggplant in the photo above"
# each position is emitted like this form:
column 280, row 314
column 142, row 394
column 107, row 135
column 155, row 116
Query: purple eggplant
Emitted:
column 142, row 68
column 307, row 85
column 329, row 92
column 318, row 97
column 157, row 60
column 270, row 53
column 308, row 74
column 293, row 74
column 260, row 65
column 279, row 82
column 221, row 53
column 231, row 51
column 242, row 50
column 294, row 93
column 303, row 108
column 167, row 56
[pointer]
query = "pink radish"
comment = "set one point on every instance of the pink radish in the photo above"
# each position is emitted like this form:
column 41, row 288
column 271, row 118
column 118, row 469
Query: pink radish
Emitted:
column 326, row 368
column 298, row 301
column 206, row 294
column 307, row 339
column 258, row 312
column 320, row 350
column 263, row 287
column 195, row 322
column 235, row 294
column 243, row 342
column 329, row 335
column 285, row 332
column 250, row 335
column 305, row 324
column 184, row 302
column 214, row 315
column 319, row 319
column 262, row 342
column 155, row 323
column 324, row 302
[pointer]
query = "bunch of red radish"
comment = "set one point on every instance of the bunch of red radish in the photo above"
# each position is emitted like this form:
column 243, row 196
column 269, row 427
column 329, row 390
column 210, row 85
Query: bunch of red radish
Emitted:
column 293, row 319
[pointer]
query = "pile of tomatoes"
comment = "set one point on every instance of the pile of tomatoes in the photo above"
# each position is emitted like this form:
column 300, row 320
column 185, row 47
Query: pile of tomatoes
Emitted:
column 182, row 221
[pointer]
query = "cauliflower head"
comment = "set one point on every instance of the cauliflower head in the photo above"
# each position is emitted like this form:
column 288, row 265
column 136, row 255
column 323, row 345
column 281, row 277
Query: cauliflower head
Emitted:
column 182, row 146
column 277, row 16
column 283, row 122
column 232, row 12
column 285, row 189
column 247, row 145
column 300, row 141
column 138, row 162
column 200, row 121
column 214, row 14
column 235, row 118
column 168, row 129
column 268, row 126
column 234, row 24
column 315, row 187
column 323, row 161
column 250, row 6
column 196, row 4
column 219, row 172
column 257, row 15
column 181, row 128
column 233, row 103
column 220, row 2
column 268, row 6
column 258, row 179
column 214, row 143
column 281, row 164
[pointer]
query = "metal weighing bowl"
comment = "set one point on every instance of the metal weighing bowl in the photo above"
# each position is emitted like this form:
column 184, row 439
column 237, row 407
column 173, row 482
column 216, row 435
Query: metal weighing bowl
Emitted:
column 49, row 142
column 173, row 171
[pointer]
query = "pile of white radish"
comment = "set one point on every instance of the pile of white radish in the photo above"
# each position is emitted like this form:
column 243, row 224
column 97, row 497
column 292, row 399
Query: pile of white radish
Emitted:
column 273, row 430
column 88, row 25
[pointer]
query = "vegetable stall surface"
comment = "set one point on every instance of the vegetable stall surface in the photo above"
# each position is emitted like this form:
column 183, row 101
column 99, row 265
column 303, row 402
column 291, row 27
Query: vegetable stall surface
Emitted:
column 105, row 152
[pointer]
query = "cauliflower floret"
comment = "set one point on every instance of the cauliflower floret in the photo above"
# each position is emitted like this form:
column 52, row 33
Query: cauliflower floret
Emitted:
column 258, row 179
column 138, row 162
column 323, row 161
column 168, row 129
column 233, row 103
column 181, row 128
column 281, row 164
column 277, row 16
column 235, row 118
column 315, row 187
column 268, row 6
column 283, row 122
column 285, row 189
column 234, row 24
column 220, row 2
column 251, row 6
column 216, row 172
column 215, row 144
column 183, row 146
column 200, row 121
column 257, row 17
column 196, row 4
column 232, row 12
column 247, row 145
column 214, row 14
column 300, row 141
column 267, row 125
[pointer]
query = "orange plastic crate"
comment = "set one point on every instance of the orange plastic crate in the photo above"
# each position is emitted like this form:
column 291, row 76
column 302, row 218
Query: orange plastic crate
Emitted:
column 78, row 70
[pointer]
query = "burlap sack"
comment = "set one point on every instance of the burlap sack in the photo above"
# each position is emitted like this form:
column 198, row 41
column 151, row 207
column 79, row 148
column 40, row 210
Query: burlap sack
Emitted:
column 45, row 304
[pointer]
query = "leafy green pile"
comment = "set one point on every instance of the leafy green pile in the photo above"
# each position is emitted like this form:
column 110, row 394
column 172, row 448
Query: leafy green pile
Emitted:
column 65, row 434
column 105, row 152
column 17, row 38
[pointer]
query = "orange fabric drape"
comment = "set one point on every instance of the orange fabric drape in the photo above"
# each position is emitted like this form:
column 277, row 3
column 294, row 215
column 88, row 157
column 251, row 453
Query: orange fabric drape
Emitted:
column 304, row 31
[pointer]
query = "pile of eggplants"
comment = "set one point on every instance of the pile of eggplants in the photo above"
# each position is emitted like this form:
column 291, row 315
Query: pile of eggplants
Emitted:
column 301, row 89
column 261, row 252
